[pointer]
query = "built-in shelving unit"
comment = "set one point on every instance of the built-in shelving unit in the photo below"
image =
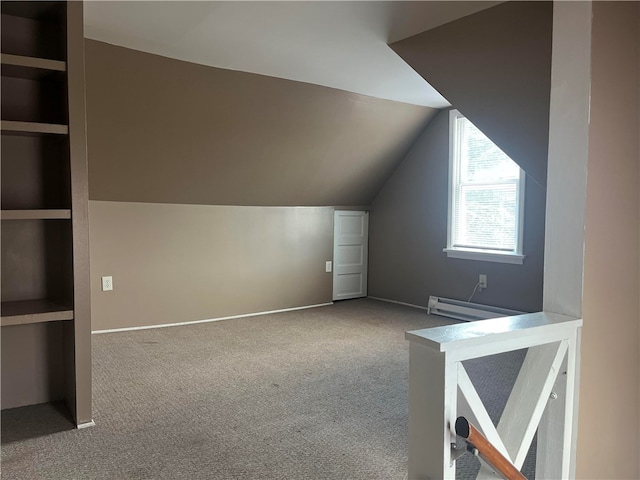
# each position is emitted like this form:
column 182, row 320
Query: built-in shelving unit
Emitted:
column 45, row 313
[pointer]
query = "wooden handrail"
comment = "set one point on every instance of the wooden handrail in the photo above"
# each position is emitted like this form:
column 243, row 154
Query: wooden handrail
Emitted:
column 487, row 451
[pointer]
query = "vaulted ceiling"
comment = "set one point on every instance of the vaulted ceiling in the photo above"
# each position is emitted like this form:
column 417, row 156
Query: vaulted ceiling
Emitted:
column 301, row 103
column 495, row 67
column 342, row 45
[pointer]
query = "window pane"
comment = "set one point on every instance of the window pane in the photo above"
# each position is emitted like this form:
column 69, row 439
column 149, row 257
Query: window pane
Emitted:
column 486, row 195
column 480, row 159
column 485, row 217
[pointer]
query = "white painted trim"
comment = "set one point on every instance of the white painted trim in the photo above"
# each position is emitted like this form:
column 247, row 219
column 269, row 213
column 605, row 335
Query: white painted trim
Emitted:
column 477, row 409
column 469, row 340
column 568, row 158
column 440, row 390
column 453, row 115
column 88, row 424
column 529, row 397
column 485, row 256
column 208, row 320
column 399, row 303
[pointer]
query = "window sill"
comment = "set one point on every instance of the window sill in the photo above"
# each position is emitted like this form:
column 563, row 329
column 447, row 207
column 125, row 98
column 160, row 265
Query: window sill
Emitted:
column 484, row 256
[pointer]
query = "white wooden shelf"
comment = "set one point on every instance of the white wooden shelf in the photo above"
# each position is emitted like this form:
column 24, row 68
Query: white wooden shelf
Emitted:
column 42, row 214
column 34, row 311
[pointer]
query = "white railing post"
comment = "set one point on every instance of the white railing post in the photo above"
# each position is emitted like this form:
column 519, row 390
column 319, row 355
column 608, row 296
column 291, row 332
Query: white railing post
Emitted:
column 432, row 405
column 557, row 432
column 543, row 394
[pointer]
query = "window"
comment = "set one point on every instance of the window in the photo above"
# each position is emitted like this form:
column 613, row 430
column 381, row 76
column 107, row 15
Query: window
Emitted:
column 486, row 197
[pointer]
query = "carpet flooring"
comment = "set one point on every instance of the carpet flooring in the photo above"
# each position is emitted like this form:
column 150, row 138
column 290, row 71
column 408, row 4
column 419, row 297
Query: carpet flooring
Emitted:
column 310, row 394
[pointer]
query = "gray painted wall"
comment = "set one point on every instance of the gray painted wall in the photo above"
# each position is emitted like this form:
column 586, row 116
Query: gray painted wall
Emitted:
column 495, row 67
column 408, row 230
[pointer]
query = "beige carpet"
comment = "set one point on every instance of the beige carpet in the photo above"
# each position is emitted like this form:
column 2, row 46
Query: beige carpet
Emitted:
column 310, row 394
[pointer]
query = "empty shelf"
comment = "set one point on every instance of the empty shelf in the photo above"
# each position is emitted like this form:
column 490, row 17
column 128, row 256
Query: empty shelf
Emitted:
column 34, row 311
column 31, row 128
column 43, row 214
column 20, row 66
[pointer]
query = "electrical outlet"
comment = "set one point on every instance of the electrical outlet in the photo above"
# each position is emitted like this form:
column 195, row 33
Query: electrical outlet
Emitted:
column 107, row 284
column 327, row 266
column 482, row 281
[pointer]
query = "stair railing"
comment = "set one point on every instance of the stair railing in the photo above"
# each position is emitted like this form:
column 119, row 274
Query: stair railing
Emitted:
column 543, row 398
column 483, row 448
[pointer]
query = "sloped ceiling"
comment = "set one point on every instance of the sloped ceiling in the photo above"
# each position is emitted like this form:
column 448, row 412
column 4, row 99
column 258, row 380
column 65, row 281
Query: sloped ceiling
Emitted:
column 495, row 67
column 166, row 131
column 325, row 118
column 336, row 44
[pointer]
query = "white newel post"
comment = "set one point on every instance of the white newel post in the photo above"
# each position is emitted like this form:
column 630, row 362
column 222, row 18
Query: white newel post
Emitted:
column 432, row 405
column 440, row 389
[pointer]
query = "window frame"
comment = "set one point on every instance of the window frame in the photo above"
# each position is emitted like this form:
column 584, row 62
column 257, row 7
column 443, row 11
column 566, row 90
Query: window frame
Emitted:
column 515, row 256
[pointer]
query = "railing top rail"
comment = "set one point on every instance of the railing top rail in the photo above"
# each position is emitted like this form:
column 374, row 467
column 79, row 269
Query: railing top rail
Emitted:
column 520, row 331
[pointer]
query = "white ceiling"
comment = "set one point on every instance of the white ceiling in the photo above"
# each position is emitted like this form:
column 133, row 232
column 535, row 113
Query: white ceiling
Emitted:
column 337, row 44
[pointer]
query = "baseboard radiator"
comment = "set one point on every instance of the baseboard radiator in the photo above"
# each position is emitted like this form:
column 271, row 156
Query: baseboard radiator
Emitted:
column 466, row 311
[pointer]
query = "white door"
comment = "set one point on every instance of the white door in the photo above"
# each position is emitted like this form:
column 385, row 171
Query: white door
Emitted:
column 350, row 254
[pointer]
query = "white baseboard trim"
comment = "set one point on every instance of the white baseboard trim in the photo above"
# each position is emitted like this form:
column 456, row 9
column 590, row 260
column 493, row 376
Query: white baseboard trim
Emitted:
column 194, row 322
column 88, row 424
column 399, row 303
